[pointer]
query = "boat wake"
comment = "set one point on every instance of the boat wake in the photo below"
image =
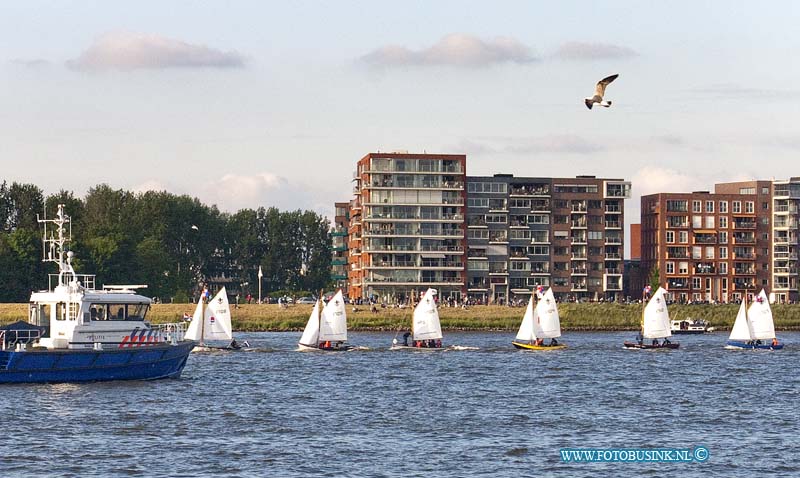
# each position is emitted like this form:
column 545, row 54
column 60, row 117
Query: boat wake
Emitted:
column 462, row 347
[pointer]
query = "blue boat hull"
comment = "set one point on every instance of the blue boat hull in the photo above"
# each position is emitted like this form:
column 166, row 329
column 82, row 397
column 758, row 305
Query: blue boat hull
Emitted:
column 744, row 345
column 134, row 363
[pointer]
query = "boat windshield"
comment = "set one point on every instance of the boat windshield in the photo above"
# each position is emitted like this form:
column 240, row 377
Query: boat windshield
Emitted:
column 118, row 311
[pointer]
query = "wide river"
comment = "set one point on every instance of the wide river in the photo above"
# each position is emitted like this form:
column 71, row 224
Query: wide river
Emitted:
column 483, row 410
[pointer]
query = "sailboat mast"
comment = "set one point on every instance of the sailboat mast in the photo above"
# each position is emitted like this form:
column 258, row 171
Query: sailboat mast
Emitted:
column 203, row 316
column 319, row 317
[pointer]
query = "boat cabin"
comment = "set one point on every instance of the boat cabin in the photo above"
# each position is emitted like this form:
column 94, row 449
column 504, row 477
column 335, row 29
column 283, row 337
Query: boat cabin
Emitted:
column 77, row 317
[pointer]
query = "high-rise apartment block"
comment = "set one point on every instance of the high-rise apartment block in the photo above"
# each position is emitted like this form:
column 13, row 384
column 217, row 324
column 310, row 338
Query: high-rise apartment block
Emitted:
column 710, row 246
column 339, row 245
column 565, row 233
column 407, row 225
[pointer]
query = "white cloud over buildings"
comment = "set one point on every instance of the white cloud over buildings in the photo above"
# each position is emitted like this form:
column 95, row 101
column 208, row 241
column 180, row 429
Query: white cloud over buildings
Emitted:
column 132, row 51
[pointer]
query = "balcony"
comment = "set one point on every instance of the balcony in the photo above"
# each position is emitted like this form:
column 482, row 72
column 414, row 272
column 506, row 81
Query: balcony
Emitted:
column 705, row 269
column 744, row 271
column 578, row 224
column 613, row 256
column 613, row 209
column 705, row 239
column 578, row 240
column 744, row 224
column 613, row 225
column 478, row 286
column 677, row 284
column 613, row 271
column 578, row 287
column 744, row 239
column 529, row 191
column 581, row 256
column 579, row 271
column 613, row 240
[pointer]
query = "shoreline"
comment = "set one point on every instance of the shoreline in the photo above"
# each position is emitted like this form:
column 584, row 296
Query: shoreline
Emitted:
column 583, row 317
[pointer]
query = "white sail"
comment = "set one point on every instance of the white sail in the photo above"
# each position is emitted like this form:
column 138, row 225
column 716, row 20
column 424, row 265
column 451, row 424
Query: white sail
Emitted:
column 218, row 318
column 548, row 324
column 333, row 324
column 526, row 327
column 426, row 318
column 310, row 335
column 656, row 317
column 193, row 331
column 760, row 316
column 742, row 330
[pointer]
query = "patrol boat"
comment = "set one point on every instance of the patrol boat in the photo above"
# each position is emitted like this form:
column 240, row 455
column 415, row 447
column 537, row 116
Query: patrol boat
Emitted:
column 79, row 334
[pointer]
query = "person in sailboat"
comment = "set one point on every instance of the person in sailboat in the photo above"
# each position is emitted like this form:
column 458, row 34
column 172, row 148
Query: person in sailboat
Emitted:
column 655, row 342
column 405, row 338
column 438, row 343
column 553, row 342
column 666, row 341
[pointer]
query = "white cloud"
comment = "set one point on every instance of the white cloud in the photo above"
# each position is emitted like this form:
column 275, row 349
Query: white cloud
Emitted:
column 592, row 51
column 30, row 62
column 555, row 143
column 131, row 51
column 456, row 49
column 654, row 179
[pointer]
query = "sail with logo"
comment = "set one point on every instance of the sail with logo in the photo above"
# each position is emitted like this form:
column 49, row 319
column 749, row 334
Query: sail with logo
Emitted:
column 211, row 323
column 540, row 322
column 754, row 327
column 655, row 325
column 326, row 328
column 426, row 330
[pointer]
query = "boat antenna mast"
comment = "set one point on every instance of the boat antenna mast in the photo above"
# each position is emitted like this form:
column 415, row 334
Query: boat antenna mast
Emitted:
column 54, row 244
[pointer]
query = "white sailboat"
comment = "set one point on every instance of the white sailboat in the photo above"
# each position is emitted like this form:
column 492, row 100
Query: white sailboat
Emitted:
column 655, row 324
column 426, row 330
column 326, row 328
column 539, row 323
column 754, row 327
column 212, row 323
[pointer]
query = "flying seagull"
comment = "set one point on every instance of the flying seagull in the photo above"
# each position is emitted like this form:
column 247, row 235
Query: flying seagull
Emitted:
column 599, row 91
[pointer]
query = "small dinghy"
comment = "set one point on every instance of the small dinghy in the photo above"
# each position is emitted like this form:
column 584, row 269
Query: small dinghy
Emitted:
column 754, row 327
column 539, row 323
column 655, row 325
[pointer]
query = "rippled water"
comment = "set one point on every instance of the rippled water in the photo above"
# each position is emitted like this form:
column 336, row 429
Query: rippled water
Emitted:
column 492, row 411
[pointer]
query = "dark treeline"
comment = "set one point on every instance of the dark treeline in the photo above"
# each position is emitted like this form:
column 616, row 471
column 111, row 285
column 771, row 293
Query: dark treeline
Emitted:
column 149, row 238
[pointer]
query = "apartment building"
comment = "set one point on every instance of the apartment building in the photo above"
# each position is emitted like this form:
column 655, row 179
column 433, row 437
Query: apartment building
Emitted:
column 785, row 220
column 340, row 245
column 564, row 233
column 406, row 230
column 709, row 246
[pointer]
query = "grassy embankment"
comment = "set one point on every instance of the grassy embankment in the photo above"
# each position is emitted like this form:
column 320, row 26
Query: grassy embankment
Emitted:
column 270, row 317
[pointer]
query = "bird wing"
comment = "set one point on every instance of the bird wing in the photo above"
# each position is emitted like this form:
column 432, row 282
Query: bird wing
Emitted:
column 600, row 90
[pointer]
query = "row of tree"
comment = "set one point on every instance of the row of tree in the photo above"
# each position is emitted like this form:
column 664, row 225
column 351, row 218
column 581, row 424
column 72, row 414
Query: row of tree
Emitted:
column 170, row 242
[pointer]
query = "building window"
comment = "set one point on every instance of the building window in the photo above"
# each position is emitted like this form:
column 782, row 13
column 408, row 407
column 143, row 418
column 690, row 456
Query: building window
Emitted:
column 765, row 190
column 723, row 207
column 695, row 283
column 723, row 237
column 696, row 206
column 594, row 235
column 709, row 206
column 697, row 252
column 709, row 222
column 749, row 207
column 560, row 219
column 670, row 267
column 723, row 266
column 737, row 206
column 723, row 252
column 723, row 222
column 747, row 190
column 710, row 252
column 765, row 221
column 765, row 206
column 496, row 219
column 478, row 265
column 473, row 202
column 683, row 268
column 683, row 237
column 697, row 222
column 670, row 237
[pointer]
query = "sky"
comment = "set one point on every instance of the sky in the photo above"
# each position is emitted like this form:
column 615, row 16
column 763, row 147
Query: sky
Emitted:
column 262, row 103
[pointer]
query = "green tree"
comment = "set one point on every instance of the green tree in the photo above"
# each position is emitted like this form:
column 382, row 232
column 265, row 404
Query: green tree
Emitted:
column 654, row 279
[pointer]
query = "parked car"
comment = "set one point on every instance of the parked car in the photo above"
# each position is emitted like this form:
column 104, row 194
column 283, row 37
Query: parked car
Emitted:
column 306, row 300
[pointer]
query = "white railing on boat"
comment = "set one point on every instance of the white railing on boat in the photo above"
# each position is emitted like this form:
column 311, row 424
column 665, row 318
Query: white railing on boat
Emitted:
column 20, row 336
column 171, row 333
column 87, row 281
